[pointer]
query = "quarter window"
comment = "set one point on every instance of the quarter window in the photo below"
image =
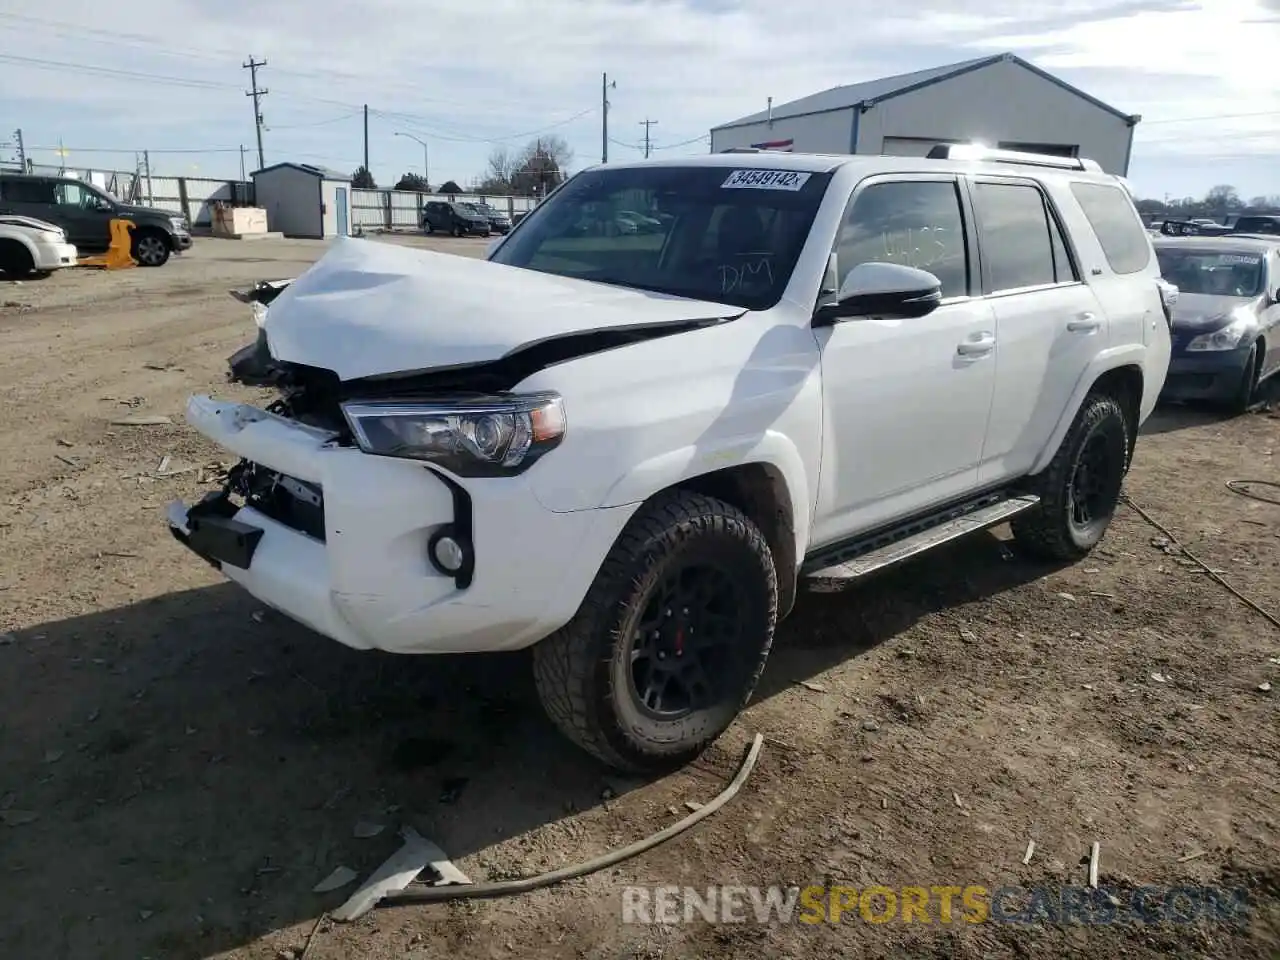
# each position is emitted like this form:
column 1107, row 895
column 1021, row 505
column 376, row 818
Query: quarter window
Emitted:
column 22, row 190
column 1116, row 225
column 1021, row 243
column 916, row 223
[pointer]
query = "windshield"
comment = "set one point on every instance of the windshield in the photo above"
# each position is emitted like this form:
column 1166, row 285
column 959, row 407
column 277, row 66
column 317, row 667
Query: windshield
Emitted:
column 716, row 233
column 1216, row 273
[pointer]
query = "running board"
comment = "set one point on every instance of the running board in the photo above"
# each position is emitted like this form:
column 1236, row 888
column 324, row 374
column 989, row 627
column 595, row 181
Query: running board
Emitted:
column 901, row 543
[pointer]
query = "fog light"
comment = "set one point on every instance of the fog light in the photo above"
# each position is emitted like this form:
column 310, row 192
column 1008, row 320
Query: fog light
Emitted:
column 448, row 554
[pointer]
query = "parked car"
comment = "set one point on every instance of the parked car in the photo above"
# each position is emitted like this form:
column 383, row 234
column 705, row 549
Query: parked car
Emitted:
column 1193, row 228
column 30, row 246
column 498, row 222
column 85, row 213
column 453, row 218
column 638, row 222
column 1226, row 323
column 629, row 461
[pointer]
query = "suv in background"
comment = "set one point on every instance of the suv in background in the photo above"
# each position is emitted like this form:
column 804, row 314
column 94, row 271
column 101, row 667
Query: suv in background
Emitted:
column 85, row 213
column 454, row 218
column 499, row 222
column 627, row 453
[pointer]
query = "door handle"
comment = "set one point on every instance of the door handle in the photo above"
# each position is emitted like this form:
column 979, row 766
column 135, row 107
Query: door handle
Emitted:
column 1085, row 323
column 977, row 346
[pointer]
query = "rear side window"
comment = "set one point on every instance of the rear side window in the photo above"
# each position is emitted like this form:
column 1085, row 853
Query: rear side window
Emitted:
column 1021, row 243
column 27, row 191
column 1116, row 225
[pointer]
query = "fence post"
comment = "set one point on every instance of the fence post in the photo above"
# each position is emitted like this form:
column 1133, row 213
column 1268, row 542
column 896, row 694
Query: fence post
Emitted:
column 182, row 196
column 386, row 197
column 422, row 201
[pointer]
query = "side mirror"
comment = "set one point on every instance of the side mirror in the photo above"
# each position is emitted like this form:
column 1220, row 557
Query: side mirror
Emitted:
column 887, row 290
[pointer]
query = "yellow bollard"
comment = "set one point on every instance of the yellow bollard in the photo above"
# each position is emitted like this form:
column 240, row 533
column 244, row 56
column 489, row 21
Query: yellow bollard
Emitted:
column 119, row 254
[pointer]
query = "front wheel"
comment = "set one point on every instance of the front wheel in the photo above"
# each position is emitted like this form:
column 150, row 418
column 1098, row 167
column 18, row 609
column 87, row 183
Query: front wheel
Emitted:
column 1242, row 399
column 670, row 640
column 15, row 260
column 1080, row 488
column 151, row 249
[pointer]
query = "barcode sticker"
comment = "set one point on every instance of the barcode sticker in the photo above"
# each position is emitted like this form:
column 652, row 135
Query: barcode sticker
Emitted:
column 765, row 180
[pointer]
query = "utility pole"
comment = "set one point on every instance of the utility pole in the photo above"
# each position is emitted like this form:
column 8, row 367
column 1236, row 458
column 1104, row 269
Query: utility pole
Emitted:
column 647, row 123
column 22, row 152
column 146, row 160
column 257, row 94
column 366, row 137
column 426, row 158
column 242, row 177
column 605, row 87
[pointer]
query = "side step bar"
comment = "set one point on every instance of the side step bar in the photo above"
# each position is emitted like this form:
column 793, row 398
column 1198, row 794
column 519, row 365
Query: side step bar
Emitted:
column 877, row 551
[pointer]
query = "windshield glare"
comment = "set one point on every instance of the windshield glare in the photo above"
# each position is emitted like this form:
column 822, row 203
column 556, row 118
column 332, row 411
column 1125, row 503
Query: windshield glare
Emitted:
column 1216, row 273
column 701, row 238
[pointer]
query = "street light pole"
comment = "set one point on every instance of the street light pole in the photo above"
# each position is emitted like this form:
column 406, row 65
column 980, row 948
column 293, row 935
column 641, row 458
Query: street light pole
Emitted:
column 426, row 159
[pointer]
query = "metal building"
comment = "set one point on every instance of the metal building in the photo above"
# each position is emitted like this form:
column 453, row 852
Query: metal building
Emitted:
column 302, row 200
column 1000, row 100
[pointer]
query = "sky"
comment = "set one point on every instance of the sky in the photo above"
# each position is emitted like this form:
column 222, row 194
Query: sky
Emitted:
column 106, row 81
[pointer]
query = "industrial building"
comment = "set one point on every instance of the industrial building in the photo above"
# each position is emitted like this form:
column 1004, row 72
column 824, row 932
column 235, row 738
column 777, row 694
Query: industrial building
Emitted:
column 302, row 200
column 1002, row 101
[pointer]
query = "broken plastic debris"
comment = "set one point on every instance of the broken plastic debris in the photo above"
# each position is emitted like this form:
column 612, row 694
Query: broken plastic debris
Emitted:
column 364, row 830
column 142, row 420
column 1264, row 687
column 1159, row 678
column 397, row 872
column 339, row 878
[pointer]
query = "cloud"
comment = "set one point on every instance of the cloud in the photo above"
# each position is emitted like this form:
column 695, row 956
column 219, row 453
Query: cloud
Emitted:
column 467, row 75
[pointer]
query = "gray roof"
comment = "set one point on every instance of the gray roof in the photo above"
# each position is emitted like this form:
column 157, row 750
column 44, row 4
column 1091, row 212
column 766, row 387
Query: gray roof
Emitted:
column 324, row 173
column 871, row 91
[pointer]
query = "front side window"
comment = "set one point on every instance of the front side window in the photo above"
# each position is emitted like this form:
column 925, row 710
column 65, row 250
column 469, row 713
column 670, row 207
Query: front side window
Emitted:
column 1215, row 273
column 709, row 232
column 916, row 223
column 1116, row 224
column 1014, row 230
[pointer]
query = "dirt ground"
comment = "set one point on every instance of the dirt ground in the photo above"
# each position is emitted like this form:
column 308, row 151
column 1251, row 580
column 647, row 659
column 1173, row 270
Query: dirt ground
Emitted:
column 179, row 768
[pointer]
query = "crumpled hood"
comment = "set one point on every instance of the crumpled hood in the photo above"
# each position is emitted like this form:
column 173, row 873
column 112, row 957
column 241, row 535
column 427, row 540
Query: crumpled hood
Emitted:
column 31, row 223
column 1202, row 311
column 367, row 309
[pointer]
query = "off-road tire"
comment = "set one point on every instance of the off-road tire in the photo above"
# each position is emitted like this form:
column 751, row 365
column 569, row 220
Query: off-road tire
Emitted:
column 1048, row 531
column 15, row 260
column 1242, row 399
column 577, row 670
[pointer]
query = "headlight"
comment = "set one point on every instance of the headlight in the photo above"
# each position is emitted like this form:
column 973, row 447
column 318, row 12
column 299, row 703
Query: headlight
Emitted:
column 1228, row 338
column 178, row 223
column 469, row 436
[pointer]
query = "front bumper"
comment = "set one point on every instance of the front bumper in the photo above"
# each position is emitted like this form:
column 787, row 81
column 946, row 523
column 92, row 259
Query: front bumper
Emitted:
column 53, row 255
column 1212, row 375
column 182, row 241
column 370, row 583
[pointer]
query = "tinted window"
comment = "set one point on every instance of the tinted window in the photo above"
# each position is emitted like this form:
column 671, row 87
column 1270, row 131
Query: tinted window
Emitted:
column 27, row 191
column 1116, row 225
column 712, row 233
column 74, row 195
column 914, row 223
column 1217, row 273
column 1064, row 270
column 1257, row 225
column 1013, row 227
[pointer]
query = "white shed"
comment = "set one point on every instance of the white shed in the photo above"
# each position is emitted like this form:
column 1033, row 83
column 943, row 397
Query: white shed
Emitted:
column 302, row 200
column 1002, row 101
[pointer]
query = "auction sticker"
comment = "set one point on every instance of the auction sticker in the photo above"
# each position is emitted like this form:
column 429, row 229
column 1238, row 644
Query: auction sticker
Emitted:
column 765, row 180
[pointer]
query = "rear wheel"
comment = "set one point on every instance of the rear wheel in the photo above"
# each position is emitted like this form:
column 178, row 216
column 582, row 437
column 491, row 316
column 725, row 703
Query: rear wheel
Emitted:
column 151, row 248
column 15, row 260
column 1080, row 488
column 670, row 640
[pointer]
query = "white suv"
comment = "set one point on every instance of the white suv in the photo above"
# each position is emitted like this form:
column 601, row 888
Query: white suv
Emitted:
column 626, row 450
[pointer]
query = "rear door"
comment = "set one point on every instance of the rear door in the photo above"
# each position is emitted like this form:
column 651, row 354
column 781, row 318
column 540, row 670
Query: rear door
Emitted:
column 1048, row 323
column 86, row 218
column 30, row 197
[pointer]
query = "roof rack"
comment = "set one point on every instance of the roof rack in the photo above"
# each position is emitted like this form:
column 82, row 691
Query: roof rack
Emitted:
column 977, row 151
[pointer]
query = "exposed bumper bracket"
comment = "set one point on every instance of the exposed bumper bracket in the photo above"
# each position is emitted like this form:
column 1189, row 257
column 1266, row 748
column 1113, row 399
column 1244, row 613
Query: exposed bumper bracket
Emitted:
column 210, row 530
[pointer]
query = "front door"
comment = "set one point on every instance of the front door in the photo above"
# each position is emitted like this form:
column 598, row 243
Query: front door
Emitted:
column 905, row 402
column 340, row 200
column 1049, row 324
column 85, row 215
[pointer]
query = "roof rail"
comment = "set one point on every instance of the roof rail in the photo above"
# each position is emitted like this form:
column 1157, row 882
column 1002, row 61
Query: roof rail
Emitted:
column 978, row 151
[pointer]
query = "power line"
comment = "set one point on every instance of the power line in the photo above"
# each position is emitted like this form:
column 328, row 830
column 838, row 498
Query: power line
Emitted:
column 41, row 63
column 1218, row 116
